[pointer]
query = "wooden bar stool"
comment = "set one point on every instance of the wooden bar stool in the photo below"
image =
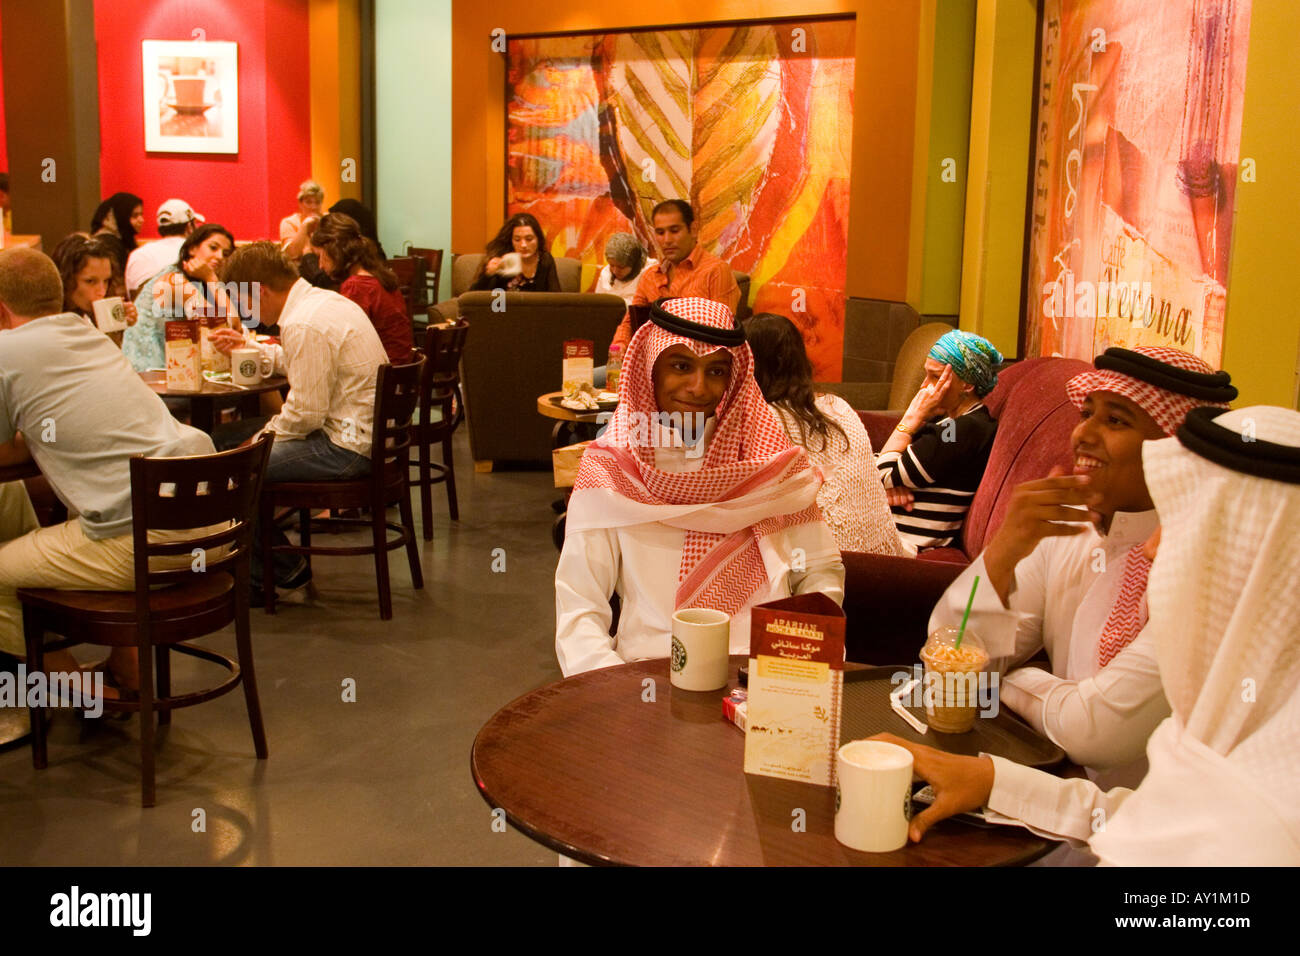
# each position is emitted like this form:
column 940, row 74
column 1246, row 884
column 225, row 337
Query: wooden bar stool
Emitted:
column 197, row 598
column 441, row 411
column 396, row 394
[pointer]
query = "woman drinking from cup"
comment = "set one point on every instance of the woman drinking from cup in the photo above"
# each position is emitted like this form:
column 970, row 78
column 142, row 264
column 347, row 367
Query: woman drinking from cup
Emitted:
column 693, row 497
column 87, row 268
column 517, row 260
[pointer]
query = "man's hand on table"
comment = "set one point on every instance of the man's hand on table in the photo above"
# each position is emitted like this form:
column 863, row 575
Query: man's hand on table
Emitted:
column 961, row 784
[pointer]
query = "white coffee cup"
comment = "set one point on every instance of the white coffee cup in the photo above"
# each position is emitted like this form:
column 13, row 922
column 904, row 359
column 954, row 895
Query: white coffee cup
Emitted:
column 701, row 643
column 873, row 795
column 511, row 264
column 110, row 314
column 248, row 366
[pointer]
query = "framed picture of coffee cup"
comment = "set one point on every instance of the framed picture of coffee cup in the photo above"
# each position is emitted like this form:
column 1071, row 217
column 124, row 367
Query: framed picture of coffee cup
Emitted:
column 191, row 96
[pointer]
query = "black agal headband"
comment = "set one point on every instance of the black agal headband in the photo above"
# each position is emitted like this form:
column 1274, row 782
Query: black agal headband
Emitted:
column 1208, row 387
column 1199, row 433
column 694, row 330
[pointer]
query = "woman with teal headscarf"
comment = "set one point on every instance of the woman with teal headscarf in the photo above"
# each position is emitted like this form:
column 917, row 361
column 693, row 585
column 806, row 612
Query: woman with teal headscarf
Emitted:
column 935, row 458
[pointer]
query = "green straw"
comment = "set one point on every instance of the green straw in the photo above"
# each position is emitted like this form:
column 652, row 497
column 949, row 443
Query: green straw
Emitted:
column 969, row 602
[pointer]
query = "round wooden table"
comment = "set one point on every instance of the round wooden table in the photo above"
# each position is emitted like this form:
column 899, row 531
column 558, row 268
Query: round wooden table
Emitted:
column 214, row 395
column 593, row 769
column 549, row 406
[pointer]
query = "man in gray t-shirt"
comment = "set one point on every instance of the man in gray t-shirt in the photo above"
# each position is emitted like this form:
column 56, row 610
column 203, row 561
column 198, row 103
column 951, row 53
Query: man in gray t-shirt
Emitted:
column 70, row 401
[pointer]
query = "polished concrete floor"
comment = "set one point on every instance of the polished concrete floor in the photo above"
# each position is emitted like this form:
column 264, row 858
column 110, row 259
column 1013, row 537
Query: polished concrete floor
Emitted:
column 382, row 780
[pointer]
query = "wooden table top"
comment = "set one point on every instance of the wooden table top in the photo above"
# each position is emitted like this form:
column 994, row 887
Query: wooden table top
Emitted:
column 549, row 405
column 587, row 767
column 156, row 379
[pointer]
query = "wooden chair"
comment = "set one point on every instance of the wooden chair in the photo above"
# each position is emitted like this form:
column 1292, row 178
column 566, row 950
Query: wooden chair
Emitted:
column 441, row 411
column 410, row 272
column 432, row 274
column 168, row 494
column 396, row 394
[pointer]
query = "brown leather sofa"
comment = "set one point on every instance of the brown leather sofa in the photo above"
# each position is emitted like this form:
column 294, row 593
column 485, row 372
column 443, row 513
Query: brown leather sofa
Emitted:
column 909, row 373
column 516, row 355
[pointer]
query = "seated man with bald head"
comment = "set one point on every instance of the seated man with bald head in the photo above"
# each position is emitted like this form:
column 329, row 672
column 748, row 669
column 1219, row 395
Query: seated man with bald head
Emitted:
column 70, row 400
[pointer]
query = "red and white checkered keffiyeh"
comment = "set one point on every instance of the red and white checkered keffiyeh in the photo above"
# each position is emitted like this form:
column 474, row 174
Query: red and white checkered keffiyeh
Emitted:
column 1166, row 407
column 753, row 481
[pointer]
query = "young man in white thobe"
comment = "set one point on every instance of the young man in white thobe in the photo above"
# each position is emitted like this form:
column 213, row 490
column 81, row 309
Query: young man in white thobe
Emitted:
column 1225, row 622
column 1066, row 572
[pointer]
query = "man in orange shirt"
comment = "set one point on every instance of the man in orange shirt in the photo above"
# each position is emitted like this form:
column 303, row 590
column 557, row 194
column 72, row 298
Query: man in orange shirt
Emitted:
column 685, row 268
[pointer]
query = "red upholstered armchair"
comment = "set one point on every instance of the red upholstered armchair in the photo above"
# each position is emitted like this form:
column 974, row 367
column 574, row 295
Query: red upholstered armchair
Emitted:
column 887, row 600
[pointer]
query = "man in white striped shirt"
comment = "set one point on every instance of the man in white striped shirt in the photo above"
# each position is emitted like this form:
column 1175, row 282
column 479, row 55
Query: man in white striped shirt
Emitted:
column 933, row 462
column 331, row 354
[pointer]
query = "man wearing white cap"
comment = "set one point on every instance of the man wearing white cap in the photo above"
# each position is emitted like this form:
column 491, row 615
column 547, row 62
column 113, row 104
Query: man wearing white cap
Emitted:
column 1066, row 571
column 1225, row 621
column 176, row 220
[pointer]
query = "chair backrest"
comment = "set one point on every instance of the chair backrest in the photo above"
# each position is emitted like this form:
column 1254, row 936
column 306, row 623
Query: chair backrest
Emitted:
column 411, row 282
column 743, row 311
column 440, row 383
column 1034, row 424
column 433, row 271
column 463, row 270
column 909, row 365
column 569, row 272
column 397, row 393
column 194, row 493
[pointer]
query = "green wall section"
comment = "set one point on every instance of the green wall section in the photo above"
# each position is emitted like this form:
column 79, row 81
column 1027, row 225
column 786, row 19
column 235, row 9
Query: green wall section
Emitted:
column 945, row 210
column 413, row 126
column 1262, row 325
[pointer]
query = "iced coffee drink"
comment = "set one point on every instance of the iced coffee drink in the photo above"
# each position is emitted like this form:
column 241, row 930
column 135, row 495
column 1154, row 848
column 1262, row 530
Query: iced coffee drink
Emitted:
column 952, row 675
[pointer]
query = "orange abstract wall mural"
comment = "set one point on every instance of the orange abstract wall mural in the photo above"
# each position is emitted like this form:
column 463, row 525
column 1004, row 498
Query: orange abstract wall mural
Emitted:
column 1137, row 157
column 751, row 123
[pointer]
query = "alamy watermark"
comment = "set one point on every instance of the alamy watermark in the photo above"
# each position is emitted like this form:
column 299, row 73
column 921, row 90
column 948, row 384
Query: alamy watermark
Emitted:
column 664, row 430
column 949, row 689
column 78, row 689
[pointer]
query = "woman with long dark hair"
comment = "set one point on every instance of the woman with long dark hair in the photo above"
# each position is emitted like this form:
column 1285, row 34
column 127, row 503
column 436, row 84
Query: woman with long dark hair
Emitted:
column 353, row 260
column 117, row 221
column 190, row 287
column 852, row 498
column 517, row 260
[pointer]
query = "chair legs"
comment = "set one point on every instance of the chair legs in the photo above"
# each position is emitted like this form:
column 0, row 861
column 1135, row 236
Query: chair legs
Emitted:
column 426, row 492
column 163, row 662
column 147, row 796
column 452, row 508
column 412, row 549
column 244, row 651
column 34, row 636
column 379, row 530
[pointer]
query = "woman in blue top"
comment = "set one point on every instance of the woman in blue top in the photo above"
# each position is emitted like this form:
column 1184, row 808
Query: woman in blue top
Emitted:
column 188, row 288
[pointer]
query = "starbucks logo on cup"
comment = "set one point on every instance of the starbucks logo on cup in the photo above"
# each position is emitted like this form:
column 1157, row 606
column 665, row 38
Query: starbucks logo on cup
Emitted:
column 248, row 368
column 837, row 798
column 907, row 807
column 679, row 655
column 119, row 313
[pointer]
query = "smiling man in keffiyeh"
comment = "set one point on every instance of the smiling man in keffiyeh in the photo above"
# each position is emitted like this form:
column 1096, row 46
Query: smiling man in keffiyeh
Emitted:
column 692, row 497
column 1066, row 570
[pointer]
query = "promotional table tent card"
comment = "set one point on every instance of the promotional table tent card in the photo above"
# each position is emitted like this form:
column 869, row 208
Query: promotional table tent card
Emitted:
column 796, row 680
column 578, row 356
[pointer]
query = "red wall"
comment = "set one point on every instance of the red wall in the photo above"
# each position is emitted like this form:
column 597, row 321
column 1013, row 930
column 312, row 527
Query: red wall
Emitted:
column 248, row 192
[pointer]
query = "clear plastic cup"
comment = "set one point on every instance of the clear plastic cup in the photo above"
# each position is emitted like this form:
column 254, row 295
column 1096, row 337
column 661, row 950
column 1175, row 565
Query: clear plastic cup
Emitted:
column 952, row 676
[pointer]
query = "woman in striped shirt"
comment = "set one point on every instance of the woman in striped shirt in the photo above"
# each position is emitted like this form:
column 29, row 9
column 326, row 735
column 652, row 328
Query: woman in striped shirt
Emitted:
column 933, row 462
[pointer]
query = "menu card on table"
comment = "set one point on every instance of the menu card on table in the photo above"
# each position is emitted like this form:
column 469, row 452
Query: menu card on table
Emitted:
column 184, row 366
column 578, row 363
column 214, row 360
column 796, row 680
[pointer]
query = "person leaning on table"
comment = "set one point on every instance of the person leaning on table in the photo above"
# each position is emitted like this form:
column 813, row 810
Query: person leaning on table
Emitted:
column 1225, row 617
column 70, row 400
column 714, row 508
